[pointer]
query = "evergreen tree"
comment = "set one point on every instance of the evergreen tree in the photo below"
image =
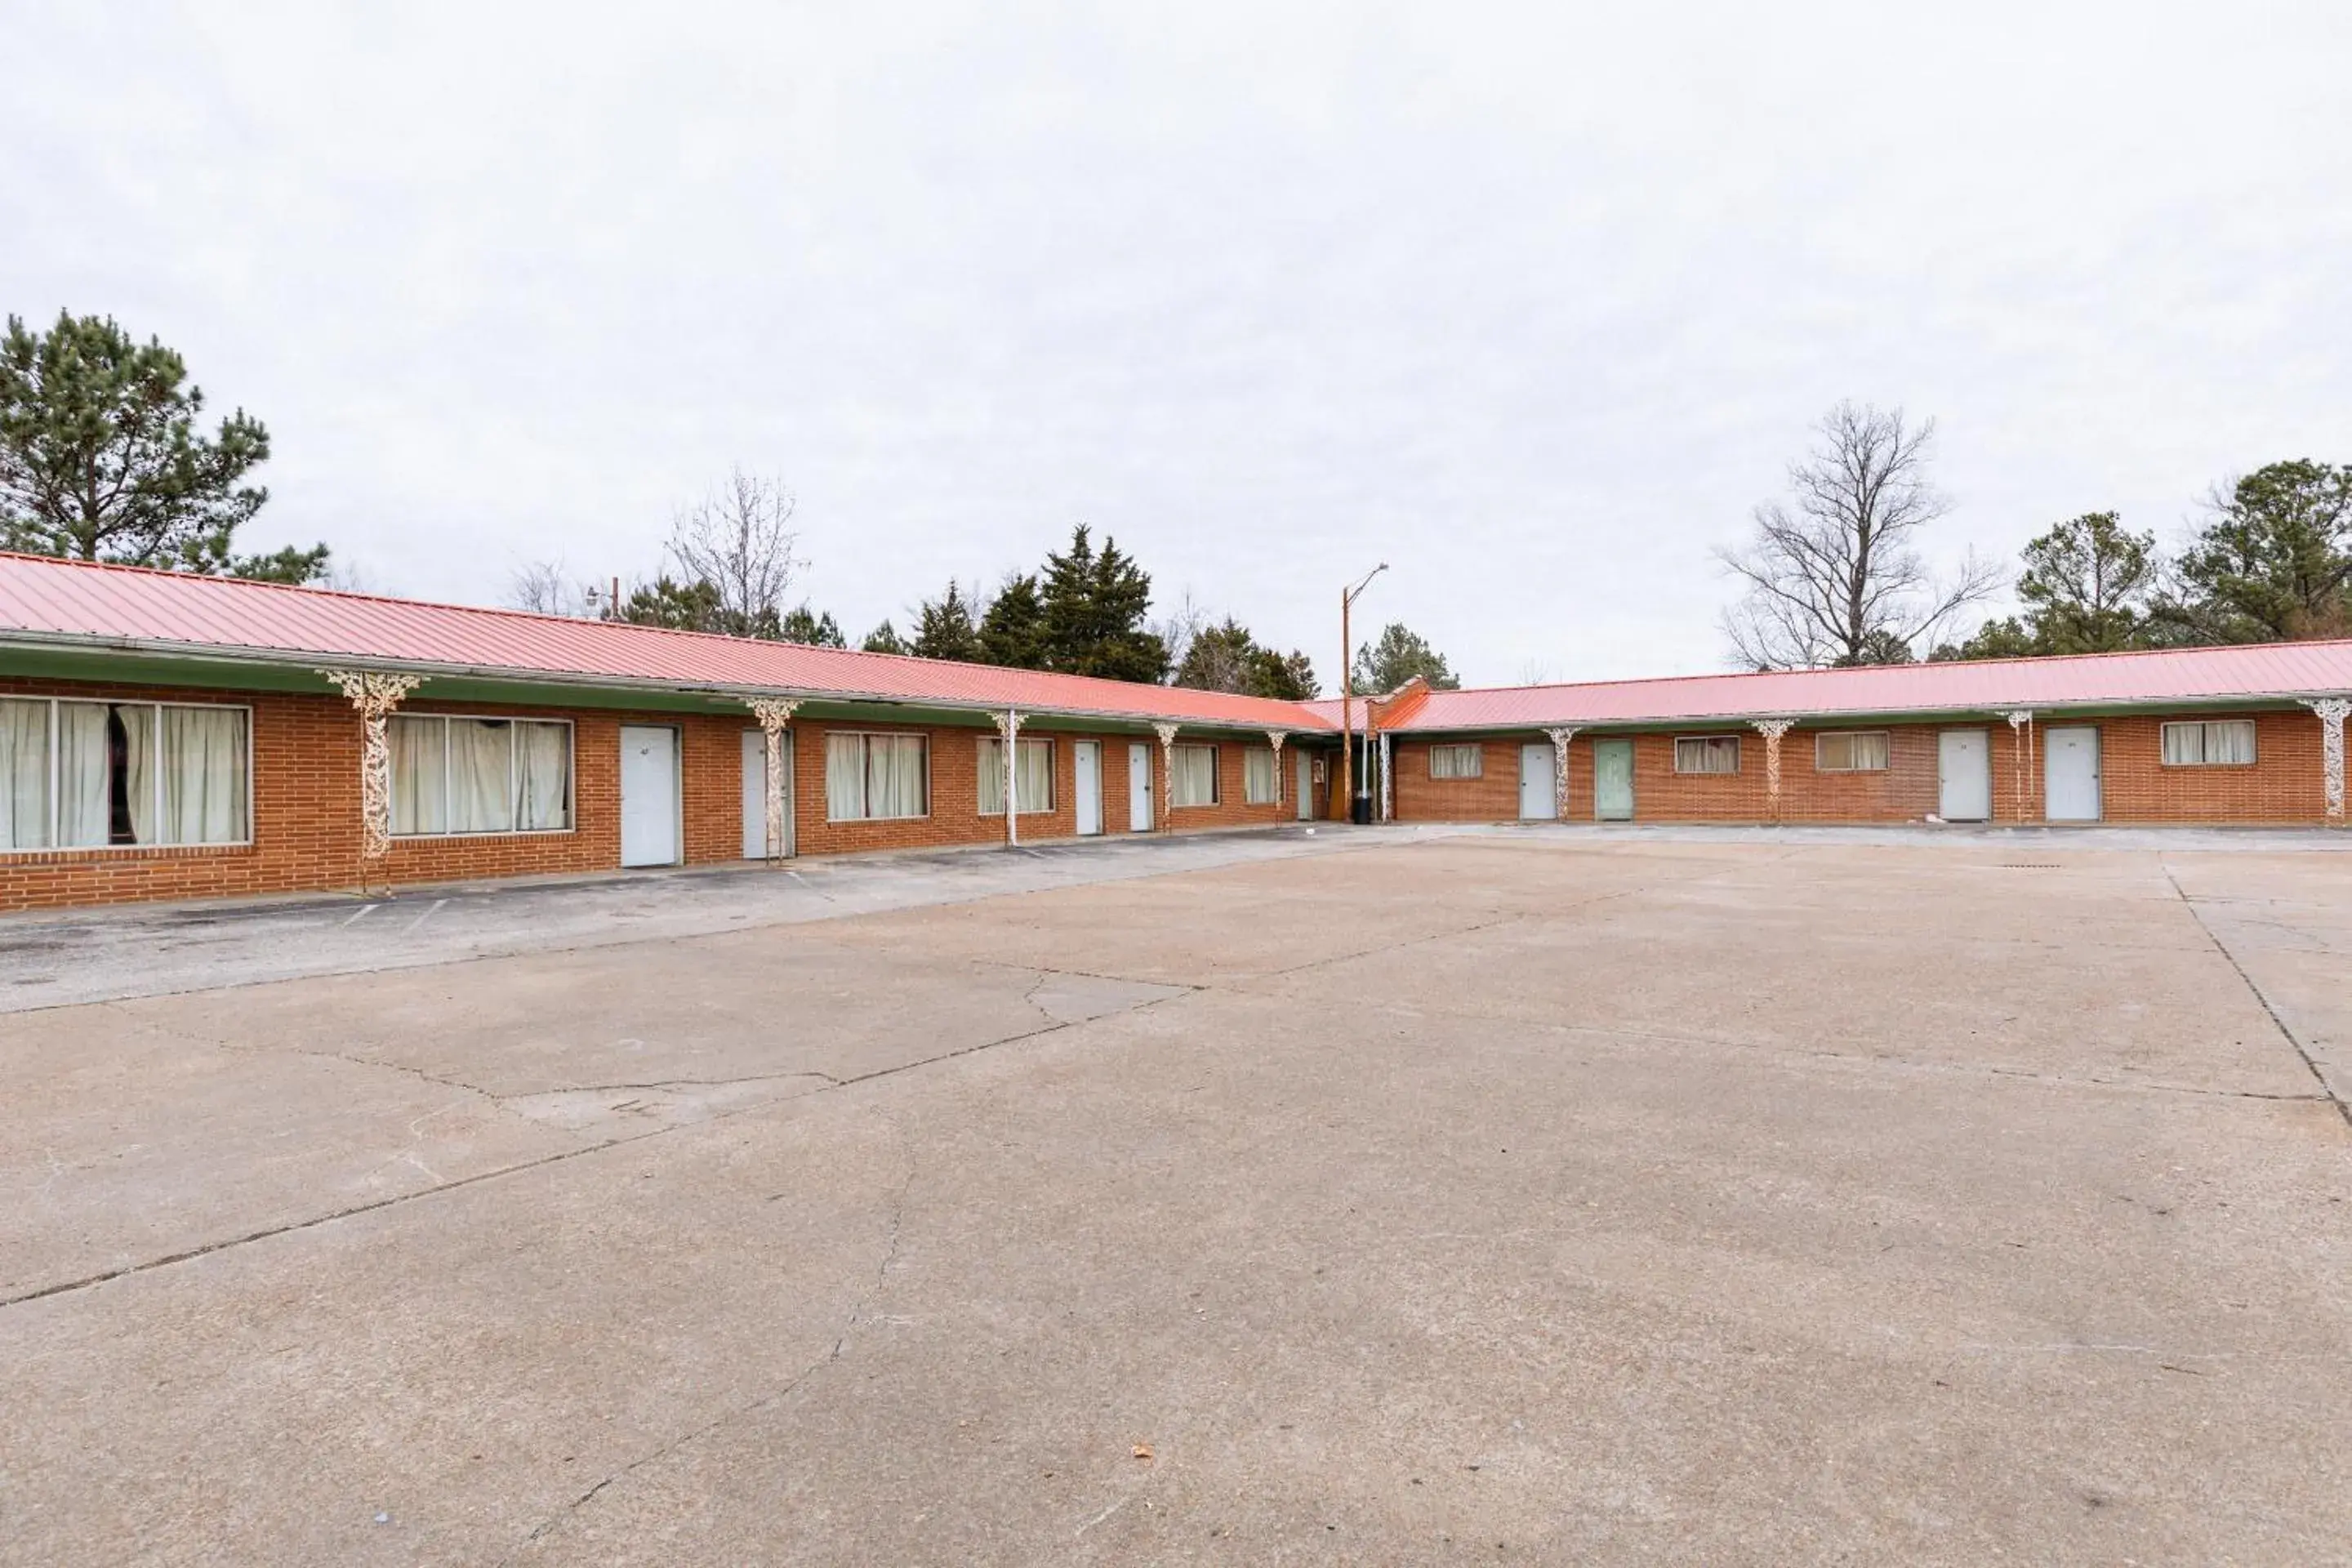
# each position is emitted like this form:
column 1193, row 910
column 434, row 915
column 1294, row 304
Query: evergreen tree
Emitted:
column 1013, row 632
column 2008, row 637
column 101, row 458
column 1399, row 655
column 679, row 606
column 1290, row 676
column 2085, row 586
column 945, row 629
column 801, row 626
column 2274, row 565
column 1225, row 657
column 1218, row 658
column 1095, row 606
column 883, row 639
column 1880, row 645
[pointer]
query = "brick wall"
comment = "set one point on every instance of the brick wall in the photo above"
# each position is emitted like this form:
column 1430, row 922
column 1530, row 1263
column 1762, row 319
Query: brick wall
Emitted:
column 2282, row 786
column 305, row 794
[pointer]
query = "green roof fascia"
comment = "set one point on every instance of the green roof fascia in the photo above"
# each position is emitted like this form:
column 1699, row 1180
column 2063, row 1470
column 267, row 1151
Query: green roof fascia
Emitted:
column 1711, row 724
column 137, row 667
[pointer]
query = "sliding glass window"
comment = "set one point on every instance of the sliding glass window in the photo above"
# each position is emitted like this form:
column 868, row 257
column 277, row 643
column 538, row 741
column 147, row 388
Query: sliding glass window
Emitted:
column 453, row 775
column 103, row 776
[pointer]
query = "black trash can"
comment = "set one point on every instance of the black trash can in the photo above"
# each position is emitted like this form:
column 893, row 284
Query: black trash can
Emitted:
column 1361, row 811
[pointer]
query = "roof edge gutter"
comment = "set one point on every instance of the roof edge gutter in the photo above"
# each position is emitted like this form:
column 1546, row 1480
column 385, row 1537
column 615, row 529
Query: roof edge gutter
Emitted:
column 276, row 658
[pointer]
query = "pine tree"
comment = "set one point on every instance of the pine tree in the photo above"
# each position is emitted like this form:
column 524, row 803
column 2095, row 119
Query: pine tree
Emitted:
column 801, row 626
column 1013, row 632
column 2274, row 564
column 1399, row 655
column 885, row 638
column 1095, row 606
column 101, row 458
column 945, row 629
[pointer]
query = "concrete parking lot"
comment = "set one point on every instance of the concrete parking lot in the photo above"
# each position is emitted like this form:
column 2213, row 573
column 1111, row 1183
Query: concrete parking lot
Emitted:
column 1522, row 1196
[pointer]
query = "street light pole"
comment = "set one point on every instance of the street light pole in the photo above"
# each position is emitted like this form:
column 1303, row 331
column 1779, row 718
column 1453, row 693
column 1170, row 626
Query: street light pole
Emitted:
column 1347, row 690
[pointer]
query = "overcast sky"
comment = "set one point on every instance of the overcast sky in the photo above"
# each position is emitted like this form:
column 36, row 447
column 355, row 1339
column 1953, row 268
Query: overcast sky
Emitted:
column 1533, row 302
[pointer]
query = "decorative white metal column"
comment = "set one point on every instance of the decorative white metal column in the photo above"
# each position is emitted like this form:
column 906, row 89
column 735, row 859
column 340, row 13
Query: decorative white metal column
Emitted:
column 373, row 693
column 1560, row 737
column 1388, row 794
column 2020, row 749
column 1008, row 730
column 2332, row 711
column 1275, row 738
column 1773, row 730
column 1167, row 733
column 774, row 714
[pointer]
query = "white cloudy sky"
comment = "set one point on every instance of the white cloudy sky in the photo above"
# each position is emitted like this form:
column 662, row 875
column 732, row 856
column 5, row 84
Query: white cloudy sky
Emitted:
column 1534, row 302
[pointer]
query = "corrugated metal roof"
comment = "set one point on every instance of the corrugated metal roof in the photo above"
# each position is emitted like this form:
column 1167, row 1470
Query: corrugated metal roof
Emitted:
column 48, row 600
column 2090, row 680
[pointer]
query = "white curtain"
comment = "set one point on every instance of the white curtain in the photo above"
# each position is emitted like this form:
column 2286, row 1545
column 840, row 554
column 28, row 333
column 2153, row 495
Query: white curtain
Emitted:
column 894, row 775
column 419, row 777
column 1196, row 777
column 1032, row 786
column 203, row 775
column 481, row 775
column 84, row 801
column 1258, row 775
column 139, row 768
column 543, row 777
column 2232, row 741
column 844, row 777
column 991, row 767
column 24, row 775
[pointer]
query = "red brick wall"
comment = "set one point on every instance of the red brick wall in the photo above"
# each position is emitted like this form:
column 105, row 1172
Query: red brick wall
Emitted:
column 2282, row 786
column 306, row 793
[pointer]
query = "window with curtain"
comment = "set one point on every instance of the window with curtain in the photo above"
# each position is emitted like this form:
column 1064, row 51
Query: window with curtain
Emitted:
column 1258, row 775
column 24, row 774
column 1707, row 755
column 1457, row 762
column 1850, row 751
column 2215, row 743
column 1194, row 770
column 95, row 775
column 870, row 777
column 459, row 775
column 1033, row 761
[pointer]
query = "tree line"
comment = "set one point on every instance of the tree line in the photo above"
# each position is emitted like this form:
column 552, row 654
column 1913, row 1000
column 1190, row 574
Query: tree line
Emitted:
column 1833, row 574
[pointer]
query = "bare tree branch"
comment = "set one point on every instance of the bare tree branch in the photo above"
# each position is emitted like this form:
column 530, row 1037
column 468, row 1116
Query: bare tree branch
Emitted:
column 544, row 586
column 740, row 539
column 1834, row 576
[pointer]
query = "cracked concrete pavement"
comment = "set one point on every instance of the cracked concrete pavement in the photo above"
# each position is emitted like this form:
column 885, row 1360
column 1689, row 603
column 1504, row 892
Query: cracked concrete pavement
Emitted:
column 1551, row 1197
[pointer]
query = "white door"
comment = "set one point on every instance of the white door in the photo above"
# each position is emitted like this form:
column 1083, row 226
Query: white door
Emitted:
column 648, row 795
column 2070, row 777
column 1963, row 775
column 1138, row 788
column 755, row 794
column 1536, row 801
column 1306, row 787
column 1087, row 755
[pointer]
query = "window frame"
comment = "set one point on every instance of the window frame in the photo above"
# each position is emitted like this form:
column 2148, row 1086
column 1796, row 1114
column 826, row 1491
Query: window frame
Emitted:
column 864, row 735
column 1820, row 736
column 1715, row 739
column 514, row 777
column 1053, row 779
column 1216, row 778
column 1477, row 752
column 2253, row 743
column 155, row 705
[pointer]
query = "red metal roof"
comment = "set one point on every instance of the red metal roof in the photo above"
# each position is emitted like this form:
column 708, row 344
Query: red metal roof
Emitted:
column 2089, row 680
column 51, row 601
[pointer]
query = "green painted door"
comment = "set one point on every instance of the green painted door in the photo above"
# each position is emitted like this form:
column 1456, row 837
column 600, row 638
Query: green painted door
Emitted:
column 1613, row 780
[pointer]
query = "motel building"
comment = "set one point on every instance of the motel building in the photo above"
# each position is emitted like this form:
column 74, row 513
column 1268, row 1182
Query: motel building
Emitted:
column 167, row 736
